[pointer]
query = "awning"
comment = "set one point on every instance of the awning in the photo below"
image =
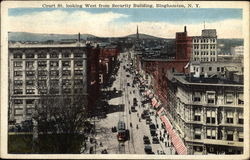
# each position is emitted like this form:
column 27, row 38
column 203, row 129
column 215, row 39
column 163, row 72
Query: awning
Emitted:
column 160, row 111
column 154, row 102
column 167, row 124
column 158, row 104
column 178, row 144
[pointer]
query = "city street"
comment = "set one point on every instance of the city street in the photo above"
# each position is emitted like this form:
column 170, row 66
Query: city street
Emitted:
column 135, row 145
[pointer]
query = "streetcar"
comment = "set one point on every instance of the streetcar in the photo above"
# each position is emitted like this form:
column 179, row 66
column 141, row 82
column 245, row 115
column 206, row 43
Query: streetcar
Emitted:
column 121, row 132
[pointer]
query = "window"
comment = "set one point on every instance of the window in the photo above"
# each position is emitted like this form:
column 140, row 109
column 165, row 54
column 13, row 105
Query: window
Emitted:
column 67, row 90
column 230, row 117
column 66, row 82
column 218, row 69
column 78, row 55
column 210, row 68
column 30, row 101
column 240, row 98
column 241, row 137
column 78, row 63
column 78, row 72
column 30, row 73
column 197, row 97
column 18, row 91
column 65, row 55
column 202, row 69
column 42, row 55
column 78, row 90
column 54, row 73
column 18, row 55
column 30, row 91
column 18, row 64
column 42, row 63
column 42, row 73
column 42, row 83
column 29, row 64
column 230, row 136
column 30, row 82
column 211, row 134
column 66, row 72
column 18, row 73
column 42, row 91
column 30, row 55
column 54, row 83
column 78, row 82
column 18, row 101
column 53, row 55
column 18, row 82
column 66, row 63
column 210, row 97
column 54, row 63
column 229, row 98
column 197, row 133
column 197, row 114
column 211, row 116
column 241, row 118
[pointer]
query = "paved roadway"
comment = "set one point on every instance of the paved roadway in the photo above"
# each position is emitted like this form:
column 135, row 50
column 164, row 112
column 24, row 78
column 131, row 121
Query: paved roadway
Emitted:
column 103, row 127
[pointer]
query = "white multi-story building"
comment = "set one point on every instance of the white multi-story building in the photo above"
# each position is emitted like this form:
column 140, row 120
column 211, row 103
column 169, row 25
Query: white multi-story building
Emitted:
column 205, row 46
column 37, row 69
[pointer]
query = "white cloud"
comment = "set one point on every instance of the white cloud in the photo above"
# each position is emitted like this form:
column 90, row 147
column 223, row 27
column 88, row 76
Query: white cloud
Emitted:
column 104, row 24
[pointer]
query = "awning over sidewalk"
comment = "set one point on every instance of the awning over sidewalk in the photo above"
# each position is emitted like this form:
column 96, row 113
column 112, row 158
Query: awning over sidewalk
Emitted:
column 176, row 140
column 160, row 111
column 167, row 124
column 178, row 144
column 154, row 102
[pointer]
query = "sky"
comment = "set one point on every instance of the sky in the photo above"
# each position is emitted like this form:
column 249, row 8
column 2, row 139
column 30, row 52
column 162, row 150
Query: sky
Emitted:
column 113, row 22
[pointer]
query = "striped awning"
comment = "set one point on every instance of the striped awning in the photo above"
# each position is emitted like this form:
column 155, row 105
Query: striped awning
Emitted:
column 167, row 124
column 151, row 95
column 178, row 144
column 158, row 104
column 154, row 102
column 160, row 111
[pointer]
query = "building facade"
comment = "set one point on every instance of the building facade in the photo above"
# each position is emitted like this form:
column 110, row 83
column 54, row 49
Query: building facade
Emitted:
column 41, row 69
column 205, row 46
column 208, row 114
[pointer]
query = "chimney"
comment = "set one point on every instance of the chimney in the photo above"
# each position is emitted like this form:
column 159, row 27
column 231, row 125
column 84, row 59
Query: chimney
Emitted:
column 79, row 37
column 185, row 29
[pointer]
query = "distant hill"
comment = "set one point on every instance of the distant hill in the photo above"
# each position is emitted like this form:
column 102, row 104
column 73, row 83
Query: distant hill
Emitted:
column 25, row 36
column 143, row 36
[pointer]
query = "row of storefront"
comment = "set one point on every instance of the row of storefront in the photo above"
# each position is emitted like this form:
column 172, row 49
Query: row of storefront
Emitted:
column 157, row 105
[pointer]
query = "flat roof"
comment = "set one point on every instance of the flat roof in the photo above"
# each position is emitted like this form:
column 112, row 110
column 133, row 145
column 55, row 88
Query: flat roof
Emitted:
column 47, row 45
column 207, row 81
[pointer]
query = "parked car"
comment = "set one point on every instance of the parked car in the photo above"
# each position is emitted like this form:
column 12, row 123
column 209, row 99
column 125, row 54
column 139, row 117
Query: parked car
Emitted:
column 155, row 140
column 146, row 140
column 133, row 109
column 148, row 120
column 148, row 149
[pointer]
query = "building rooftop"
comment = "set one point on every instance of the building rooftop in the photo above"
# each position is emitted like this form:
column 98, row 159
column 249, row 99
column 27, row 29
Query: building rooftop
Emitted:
column 206, row 81
column 20, row 45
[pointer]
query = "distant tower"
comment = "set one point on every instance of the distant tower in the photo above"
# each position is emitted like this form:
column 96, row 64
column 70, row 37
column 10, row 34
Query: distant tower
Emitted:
column 137, row 34
column 79, row 37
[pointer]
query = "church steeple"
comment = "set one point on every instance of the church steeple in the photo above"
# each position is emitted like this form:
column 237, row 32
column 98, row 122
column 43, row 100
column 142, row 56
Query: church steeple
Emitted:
column 137, row 33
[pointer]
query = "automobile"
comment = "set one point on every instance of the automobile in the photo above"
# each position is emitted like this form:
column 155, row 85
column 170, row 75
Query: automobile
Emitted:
column 127, row 75
column 146, row 141
column 145, row 137
column 155, row 140
column 128, row 84
column 148, row 149
column 148, row 120
column 133, row 109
